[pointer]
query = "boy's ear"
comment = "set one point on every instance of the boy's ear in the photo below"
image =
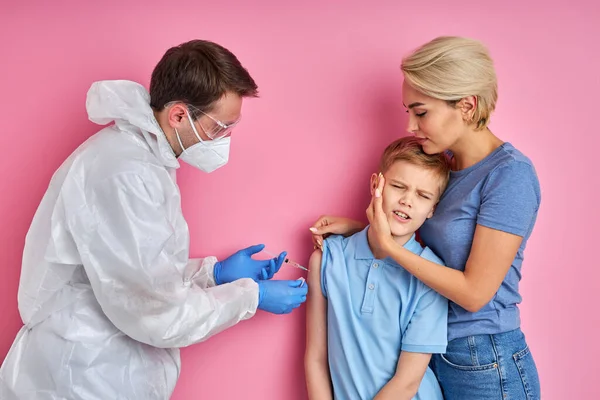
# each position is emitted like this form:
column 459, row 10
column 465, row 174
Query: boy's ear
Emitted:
column 374, row 178
column 432, row 211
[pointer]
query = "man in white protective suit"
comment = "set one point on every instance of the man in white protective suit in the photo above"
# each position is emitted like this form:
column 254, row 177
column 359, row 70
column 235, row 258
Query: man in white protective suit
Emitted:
column 108, row 293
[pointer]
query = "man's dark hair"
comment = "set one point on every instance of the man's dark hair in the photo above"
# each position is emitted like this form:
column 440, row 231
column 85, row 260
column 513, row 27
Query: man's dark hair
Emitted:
column 199, row 73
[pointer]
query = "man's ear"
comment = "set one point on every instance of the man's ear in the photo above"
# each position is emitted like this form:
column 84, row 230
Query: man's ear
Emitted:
column 374, row 181
column 177, row 114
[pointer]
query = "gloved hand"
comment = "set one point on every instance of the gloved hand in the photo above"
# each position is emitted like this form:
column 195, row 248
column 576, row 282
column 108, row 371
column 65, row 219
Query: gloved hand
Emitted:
column 281, row 297
column 241, row 265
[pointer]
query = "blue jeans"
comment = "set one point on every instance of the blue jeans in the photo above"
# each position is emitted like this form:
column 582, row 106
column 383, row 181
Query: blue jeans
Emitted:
column 488, row 367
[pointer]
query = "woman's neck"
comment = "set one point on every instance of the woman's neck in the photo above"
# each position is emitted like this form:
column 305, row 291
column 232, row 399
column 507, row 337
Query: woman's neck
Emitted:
column 473, row 147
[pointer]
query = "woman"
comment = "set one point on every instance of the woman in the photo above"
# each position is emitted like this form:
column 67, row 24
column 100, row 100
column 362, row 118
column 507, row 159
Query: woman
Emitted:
column 480, row 227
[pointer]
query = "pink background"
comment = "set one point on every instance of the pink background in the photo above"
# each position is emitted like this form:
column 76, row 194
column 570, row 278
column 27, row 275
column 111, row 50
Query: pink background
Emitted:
column 330, row 101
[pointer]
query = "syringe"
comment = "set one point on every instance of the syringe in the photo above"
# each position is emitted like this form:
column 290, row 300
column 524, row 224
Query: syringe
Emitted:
column 288, row 261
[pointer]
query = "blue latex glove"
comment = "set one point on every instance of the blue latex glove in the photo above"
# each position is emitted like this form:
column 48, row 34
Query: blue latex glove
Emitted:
column 281, row 297
column 241, row 265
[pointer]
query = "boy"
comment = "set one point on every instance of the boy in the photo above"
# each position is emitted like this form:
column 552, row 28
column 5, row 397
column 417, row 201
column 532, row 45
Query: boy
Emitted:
column 371, row 326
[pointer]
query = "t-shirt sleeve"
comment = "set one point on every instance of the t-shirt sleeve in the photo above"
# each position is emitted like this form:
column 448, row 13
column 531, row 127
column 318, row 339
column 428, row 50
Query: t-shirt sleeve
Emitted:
column 333, row 249
column 427, row 331
column 510, row 199
column 326, row 261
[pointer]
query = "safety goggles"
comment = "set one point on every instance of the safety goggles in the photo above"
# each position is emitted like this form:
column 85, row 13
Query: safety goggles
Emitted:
column 219, row 130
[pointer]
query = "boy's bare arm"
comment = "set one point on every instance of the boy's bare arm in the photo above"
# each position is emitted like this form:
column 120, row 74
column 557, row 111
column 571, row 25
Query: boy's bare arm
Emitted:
column 316, row 367
column 409, row 374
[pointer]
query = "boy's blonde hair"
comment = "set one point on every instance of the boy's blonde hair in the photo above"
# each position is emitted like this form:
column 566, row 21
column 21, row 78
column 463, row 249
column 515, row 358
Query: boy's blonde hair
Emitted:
column 409, row 149
column 451, row 68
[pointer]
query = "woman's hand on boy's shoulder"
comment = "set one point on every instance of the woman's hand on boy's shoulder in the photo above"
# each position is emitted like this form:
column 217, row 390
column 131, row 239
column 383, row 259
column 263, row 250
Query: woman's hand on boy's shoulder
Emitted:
column 329, row 225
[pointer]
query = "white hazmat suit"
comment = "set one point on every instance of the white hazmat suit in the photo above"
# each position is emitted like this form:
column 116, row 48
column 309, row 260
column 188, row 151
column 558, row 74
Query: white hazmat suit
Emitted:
column 107, row 292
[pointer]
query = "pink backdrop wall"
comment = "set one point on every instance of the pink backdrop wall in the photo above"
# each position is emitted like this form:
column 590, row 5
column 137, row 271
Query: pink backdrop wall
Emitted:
column 330, row 102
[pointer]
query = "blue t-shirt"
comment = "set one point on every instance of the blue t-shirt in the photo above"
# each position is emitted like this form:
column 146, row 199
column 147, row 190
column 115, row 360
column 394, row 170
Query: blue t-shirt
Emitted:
column 500, row 192
column 375, row 310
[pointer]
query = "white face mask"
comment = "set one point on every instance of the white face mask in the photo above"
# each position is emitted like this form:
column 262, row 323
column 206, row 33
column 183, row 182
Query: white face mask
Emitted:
column 206, row 155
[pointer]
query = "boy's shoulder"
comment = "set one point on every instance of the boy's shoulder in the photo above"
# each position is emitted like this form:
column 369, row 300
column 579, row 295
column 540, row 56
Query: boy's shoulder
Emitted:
column 332, row 245
column 338, row 249
column 339, row 243
column 428, row 254
column 339, row 239
column 324, row 262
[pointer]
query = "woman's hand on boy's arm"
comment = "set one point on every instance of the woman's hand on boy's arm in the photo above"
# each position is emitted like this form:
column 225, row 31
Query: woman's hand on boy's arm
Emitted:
column 409, row 374
column 316, row 366
column 327, row 225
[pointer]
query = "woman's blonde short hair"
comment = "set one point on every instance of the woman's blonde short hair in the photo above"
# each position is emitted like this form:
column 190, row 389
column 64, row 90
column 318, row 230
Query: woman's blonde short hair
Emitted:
column 451, row 68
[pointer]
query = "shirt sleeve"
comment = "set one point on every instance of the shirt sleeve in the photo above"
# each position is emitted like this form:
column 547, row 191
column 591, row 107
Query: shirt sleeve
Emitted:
column 136, row 259
column 331, row 245
column 510, row 199
column 427, row 331
column 201, row 271
column 326, row 260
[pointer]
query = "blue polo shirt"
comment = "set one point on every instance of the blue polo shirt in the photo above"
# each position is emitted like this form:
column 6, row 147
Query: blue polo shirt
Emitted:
column 375, row 310
column 501, row 192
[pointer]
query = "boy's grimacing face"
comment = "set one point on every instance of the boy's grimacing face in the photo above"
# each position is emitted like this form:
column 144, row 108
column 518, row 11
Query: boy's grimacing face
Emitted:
column 409, row 197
